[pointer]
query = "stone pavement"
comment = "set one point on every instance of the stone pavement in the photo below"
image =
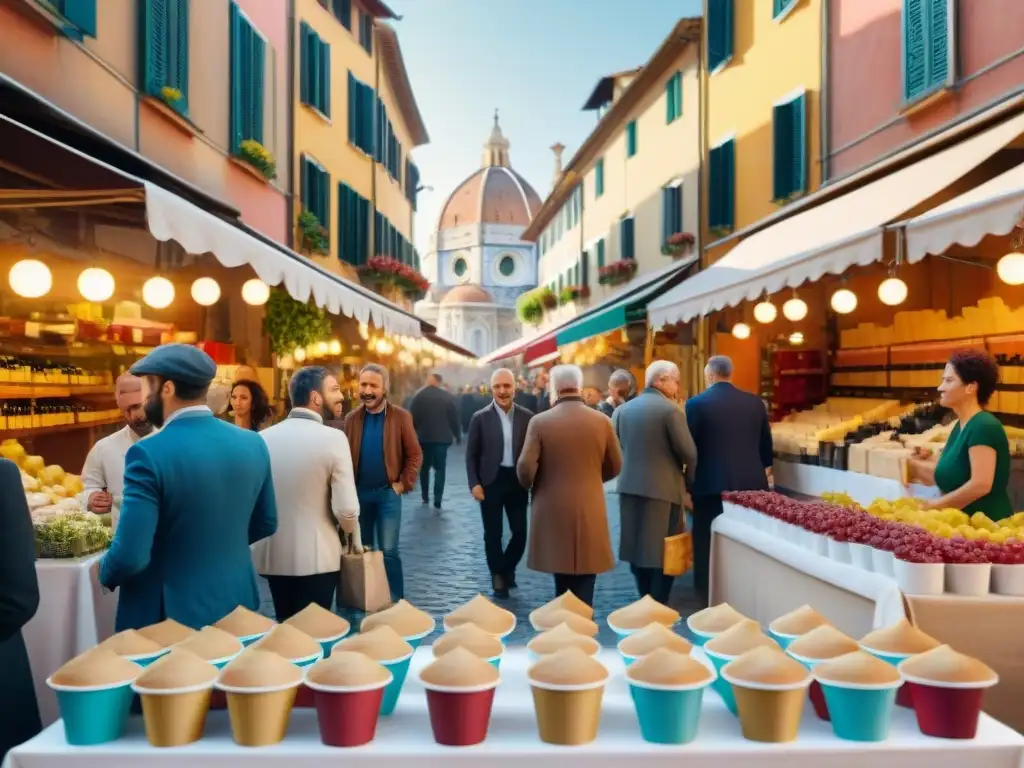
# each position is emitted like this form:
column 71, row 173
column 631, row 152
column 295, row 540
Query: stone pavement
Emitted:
column 443, row 559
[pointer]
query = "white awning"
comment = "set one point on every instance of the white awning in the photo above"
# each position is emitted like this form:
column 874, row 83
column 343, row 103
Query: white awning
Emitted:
column 828, row 239
column 994, row 208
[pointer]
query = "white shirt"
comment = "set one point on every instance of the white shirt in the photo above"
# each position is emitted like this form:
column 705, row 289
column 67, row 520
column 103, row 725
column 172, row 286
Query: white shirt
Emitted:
column 506, row 434
column 315, row 488
column 104, row 468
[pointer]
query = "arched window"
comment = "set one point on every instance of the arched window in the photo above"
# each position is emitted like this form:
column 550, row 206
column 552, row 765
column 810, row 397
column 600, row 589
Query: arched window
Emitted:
column 476, row 342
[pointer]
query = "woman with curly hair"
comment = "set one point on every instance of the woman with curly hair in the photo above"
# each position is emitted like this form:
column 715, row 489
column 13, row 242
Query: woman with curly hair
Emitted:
column 973, row 471
column 249, row 406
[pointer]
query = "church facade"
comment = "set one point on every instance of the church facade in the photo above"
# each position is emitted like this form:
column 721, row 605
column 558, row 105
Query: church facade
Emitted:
column 478, row 265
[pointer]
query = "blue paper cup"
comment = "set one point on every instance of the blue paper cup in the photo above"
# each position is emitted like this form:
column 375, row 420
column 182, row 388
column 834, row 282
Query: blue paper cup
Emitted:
column 145, row 659
column 224, row 660
column 668, row 714
column 327, row 643
column 248, row 640
column 95, row 714
column 782, row 638
column 903, row 694
column 503, row 636
column 722, row 686
column 398, row 668
column 699, row 638
column 416, row 640
column 495, row 661
column 860, row 712
column 627, row 659
column 624, row 633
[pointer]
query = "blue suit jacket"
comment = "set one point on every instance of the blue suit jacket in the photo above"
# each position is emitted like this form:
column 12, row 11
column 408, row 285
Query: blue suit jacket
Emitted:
column 196, row 495
column 734, row 441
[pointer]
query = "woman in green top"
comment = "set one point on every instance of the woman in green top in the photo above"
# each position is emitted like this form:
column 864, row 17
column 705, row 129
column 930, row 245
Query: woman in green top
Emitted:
column 973, row 471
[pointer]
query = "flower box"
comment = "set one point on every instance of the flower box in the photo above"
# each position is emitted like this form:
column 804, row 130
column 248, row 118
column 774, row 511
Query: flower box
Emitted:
column 573, row 293
column 678, row 244
column 385, row 272
column 313, row 236
column 257, row 157
column 617, row 272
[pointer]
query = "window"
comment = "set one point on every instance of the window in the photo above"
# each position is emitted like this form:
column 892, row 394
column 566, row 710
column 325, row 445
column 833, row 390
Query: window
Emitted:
column 386, row 149
column 248, row 51
column 315, row 77
column 585, row 269
column 361, row 105
column 343, row 13
column 927, row 63
column 671, row 211
column 719, row 23
column 576, row 274
column 600, row 253
column 789, row 149
column 507, row 266
column 366, row 32
column 631, row 138
column 412, row 182
column 674, row 97
column 316, row 190
column 165, row 51
column 722, row 191
column 460, row 267
column 627, row 238
column 353, row 225
column 780, row 7
column 80, row 15
column 599, row 178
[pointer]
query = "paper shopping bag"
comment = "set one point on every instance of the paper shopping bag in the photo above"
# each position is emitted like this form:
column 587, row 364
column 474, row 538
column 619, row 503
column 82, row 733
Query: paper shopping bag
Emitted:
column 364, row 582
column 678, row 554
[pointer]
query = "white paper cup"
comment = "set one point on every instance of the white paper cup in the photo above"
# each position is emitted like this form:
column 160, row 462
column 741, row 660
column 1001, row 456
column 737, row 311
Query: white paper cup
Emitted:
column 1008, row 580
column 860, row 554
column 971, row 579
column 839, row 551
column 919, row 578
column 883, row 562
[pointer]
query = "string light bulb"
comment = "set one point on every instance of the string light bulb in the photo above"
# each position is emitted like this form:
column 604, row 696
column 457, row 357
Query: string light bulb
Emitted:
column 844, row 301
column 741, row 331
column 765, row 312
column 205, row 291
column 95, row 284
column 892, row 291
column 30, row 279
column 158, row 292
column 255, row 292
column 1010, row 269
column 795, row 309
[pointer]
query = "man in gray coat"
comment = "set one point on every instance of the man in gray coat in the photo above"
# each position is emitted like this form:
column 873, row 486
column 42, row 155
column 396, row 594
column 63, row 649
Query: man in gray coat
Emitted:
column 436, row 418
column 658, row 453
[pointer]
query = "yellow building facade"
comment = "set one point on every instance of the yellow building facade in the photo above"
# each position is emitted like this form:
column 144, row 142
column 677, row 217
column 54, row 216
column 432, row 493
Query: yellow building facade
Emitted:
column 356, row 123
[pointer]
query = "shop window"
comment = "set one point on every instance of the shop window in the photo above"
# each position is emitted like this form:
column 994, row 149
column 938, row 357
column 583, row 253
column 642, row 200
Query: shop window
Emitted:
column 722, row 187
column 789, row 149
column 80, row 15
column 599, row 178
column 316, row 190
column 353, row 225
column 248, row 52
column 671, row 211
column 631, row 138
column 674, row 97
column 343, row 13
column 719, row 21
column 165, row 51
column 627, row 238
column 781, row 7
column 362, row 103
column 927, row 35
column 366, row 32
column 315, row 77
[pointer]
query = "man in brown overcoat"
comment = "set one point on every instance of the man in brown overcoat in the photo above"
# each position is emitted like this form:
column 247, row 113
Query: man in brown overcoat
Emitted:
column 569, row 454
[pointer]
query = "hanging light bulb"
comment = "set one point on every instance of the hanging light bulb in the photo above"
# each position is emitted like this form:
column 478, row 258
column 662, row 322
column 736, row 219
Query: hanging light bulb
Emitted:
column 1010, row 269
column 844, row 301
column 796, row 338
column 30, row 278
column 299, row 354
column 364, row 331
column 321, row 348
column 892, row 291
column 334, row 347
column 205, row 291
column 741, row 331
column 95, row 284
column 795, row 309
column 765, row 312
column 158, row 292
column 255, row 292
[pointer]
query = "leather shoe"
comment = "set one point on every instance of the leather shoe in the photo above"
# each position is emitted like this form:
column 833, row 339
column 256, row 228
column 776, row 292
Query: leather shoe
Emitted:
column 500, row 587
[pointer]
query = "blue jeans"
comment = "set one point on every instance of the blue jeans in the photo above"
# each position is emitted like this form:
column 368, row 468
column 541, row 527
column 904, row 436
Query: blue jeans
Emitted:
column 435, row 456
column 380, row 520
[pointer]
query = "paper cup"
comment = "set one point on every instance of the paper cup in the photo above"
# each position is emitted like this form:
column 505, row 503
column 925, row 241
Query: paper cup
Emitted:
column 721, row 686
column 327, row 643
column 495, row 661
column 970, row 579
column 947, row 710
column 259, row 716
column 883, row 562
column 347, row 716
column 174, row 717
column 839, row 551
column 814, row 692
column 1008, row 580
column 416, row 640
column 782, row 638
column 624, row 633
column 769, row 713
column 568, row 714
column 919, row 578
column 398, row 668
column 904, row 696
column 860, row 712
column 145, row 659
column 459, row 717
column 699, row 638
column 502, row 636
column 668, row 714
column 219, row 699
column 861, row 556
column 627, row 659
column 95, row 714
column 248, row 640
column 304, row 696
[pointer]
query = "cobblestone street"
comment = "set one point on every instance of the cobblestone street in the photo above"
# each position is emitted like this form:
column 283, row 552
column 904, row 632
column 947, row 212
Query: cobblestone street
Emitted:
column 442, row 554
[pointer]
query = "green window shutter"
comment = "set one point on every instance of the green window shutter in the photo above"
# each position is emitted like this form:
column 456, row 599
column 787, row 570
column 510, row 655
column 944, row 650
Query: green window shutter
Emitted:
column 798, row 141
column 729, row 170
column 915, row 59
column 938, row 43
column 670, row 96
column 782, row 152
column 305, row 182
column 343, row 13
column 257, row 68
column 237, row 77
column 631, row 138
column 81, row 14
column 178, row 50
column 719, row 23
column 585, row 269
column 154, row 17
column 714, row 188
column 304, row 68
column 352, row 108
column 600, row 253
column 325, row 79
column 627, row 233
column 780, row 6
column 599, row 178
column 722, row 187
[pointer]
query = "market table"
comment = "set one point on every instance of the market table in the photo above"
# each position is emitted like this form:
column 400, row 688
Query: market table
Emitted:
column 74, row 615
column 810, row 480
column 406, row 736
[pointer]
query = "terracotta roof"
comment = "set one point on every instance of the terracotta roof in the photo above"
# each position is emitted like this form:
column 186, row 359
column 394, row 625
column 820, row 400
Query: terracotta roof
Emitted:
column 467, row 294
column 492, row 195
column 378, row 10
column 394, row 68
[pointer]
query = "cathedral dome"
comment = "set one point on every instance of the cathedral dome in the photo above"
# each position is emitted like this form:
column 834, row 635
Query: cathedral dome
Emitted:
column 495, row 194
column 467, row 294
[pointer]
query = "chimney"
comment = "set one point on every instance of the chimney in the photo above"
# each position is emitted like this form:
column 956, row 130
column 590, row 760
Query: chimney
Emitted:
column 557, row 148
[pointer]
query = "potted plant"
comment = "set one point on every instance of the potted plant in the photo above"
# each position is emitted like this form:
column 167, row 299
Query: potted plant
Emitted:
column 529, row 308
column 259, row 157
column 617, row 272
column 573, row 293
column 548, row 299
column 313, row 236
column 386, row 272
column 678, row 243
column 291, row 324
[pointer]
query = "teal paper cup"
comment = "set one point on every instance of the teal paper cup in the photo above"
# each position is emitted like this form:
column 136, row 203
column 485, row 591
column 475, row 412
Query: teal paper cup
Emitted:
column 903, row 693
column 327, row 643
column 416, row 640
column 627, row 659
column 668, row 714
column 145, row 659
column 444, row 623
column 93, row 715
column 398, row 668
column 699, row 638
column 248, row 640
column 722, row 686
column 224, row 661
column 624, row 633
column 860, row 712
column 782, row 638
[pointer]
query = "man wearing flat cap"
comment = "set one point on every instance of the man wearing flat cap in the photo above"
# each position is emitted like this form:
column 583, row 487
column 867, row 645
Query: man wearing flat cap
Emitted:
column 103, row 473
column 196, row 495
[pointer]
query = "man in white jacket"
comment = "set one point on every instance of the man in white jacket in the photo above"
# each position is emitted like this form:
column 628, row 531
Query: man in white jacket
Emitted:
column 316, row 496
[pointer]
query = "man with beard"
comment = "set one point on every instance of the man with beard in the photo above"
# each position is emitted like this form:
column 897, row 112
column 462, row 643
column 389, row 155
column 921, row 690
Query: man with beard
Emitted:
column 315, row 489
column 386, row 457
column 103, row 473
column 196, row 495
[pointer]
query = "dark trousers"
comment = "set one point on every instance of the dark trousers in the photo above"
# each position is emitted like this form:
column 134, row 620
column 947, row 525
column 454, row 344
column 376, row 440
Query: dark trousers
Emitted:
column 435, row 456
column 705, row 510
column 653, row 582
column 580, row 584
column 505, row 497
column 293, row 593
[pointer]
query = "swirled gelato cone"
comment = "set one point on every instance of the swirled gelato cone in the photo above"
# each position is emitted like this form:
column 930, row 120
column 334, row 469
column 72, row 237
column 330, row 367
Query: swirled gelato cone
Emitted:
column 856, row 668
column 380, row 644
column 96, row 667
column 408, row 621
column 561, row 637
column 738, row 639
column 824, row 642
column 943, row 665
column 650, row 639
column 131, row 643
column 166, row 633
column 472, row 638
column 639, row 614
column 260, row 687
column 670, row 669
column 485, row 614
column 567, row 687
column 246, row 625
column 348, row 669
column 901, row 638
column 175, row 692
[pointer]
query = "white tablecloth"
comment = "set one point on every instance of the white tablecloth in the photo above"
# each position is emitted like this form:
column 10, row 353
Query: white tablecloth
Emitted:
column 73, row 616
column 406, row 737
column 814, row 481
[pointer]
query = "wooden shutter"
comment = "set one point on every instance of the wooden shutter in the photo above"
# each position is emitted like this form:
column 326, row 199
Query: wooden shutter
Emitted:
column 719, row 32
column 304, row 68
column 915, row 60
column 670, row 98
column 81, row 13
column 237, row 77
column 154, row 19
column 729, row 171
column 178, row 73
column 631, row 138
column 715, row 193
column 626, row 234
column 938, row 43
column 325, row 79
column 585, row 269
column 798, row 144
column 782, row 151
column 600, row 253
column 343, row 12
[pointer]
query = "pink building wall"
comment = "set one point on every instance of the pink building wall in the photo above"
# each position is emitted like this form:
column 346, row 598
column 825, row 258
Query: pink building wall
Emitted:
column 865, row 81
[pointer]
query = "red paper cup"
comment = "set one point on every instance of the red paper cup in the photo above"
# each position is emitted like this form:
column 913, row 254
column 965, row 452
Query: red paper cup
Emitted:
column 459, row 716
column 347, row 717
column 818, row 701
column 947, row 710
column 304, row 697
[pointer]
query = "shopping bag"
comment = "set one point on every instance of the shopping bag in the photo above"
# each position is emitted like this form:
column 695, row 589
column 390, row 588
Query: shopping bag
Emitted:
column 363, row 581
column 678, row 554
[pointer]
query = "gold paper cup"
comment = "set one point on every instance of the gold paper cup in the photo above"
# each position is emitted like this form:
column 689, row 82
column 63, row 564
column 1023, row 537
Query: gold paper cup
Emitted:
column 259, row 716
column 769, row 713
column 568, row 714
column 174, row 717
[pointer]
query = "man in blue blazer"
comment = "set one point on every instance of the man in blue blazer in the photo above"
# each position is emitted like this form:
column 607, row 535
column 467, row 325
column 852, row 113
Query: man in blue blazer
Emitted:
column 196, row 495
column 734, row 443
